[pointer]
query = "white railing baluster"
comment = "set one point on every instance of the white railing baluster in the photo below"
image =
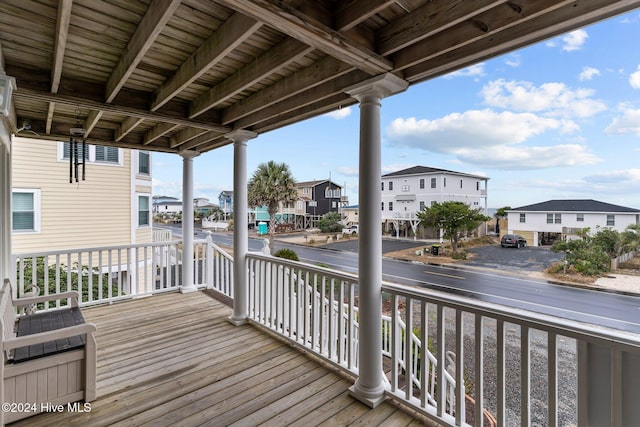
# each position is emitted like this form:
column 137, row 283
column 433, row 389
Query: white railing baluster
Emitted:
column 525, row 379
column 442, row 390
column 424, row 349
column 479, row 370
column 459, row 389
column 408, row 349
column 57, row 279
column 500, row 373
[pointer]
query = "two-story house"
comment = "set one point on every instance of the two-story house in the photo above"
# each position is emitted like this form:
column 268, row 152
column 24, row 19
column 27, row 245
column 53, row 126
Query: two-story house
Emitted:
column 166, row 205
column 50, row 213
column 542, row 223
column 316, row 198
column 409, row 191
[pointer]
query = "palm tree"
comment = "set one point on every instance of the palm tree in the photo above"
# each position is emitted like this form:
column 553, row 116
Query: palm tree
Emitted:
column 271, row 184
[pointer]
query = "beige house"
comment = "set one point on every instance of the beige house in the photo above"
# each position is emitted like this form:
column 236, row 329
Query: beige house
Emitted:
column 112, row 204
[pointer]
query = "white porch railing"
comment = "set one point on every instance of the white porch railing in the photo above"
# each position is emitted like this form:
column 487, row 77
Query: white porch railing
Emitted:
column 112, row 273
column 505, row 366
column 522, row 367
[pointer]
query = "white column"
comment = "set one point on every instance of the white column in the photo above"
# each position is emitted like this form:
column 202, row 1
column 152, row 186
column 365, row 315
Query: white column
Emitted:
column 369, row 387
column 187, row 221
column 5, row 205
column 240, row 224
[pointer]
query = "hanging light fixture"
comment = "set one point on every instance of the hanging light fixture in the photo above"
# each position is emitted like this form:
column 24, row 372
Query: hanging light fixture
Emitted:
column 7, row 86
column 77, row 135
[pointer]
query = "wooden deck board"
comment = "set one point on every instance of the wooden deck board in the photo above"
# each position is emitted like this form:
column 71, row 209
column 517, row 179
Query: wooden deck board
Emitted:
column 174, row 359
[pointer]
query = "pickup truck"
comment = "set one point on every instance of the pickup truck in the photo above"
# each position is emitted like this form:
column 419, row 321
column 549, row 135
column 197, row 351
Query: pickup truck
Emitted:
column 351, row 230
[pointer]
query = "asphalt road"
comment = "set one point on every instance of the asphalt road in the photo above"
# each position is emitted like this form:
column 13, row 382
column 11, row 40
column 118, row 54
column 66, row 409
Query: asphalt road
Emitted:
column 594, row 307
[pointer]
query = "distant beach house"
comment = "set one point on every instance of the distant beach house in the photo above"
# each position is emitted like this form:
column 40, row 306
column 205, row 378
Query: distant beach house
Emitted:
column 542, row 223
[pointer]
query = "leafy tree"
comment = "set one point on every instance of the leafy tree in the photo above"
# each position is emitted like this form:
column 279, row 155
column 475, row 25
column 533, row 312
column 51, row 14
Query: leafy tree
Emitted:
column 630, row 238
column 590, row 254
column 271, row 184
column 330, row 222
column 454, row 218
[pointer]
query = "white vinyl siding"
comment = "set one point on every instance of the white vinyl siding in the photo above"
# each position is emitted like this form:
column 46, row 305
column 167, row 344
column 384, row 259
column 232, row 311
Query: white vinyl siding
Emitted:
column 25, row 210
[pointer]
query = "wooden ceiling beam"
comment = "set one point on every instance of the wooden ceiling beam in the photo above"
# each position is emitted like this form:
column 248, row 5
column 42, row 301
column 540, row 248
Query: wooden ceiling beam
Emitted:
column 484, row 25
column 296, row 24
column 35, row 95
column 60, row 44
column 562, row 20
column 302, row 80
column 303, row 99
column 198, row 141
column 354, row 12
column 229, row 36
column 127, row 126
column 151, row 25
column 269, row 62
column 92, row 120
column 157, row 132
column 185, row 135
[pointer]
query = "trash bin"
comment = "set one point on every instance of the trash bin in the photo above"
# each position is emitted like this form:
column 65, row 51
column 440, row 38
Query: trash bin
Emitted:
column 435, row 250
column 262, row 228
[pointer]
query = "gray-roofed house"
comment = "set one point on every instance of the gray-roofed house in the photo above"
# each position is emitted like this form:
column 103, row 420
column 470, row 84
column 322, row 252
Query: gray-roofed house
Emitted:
column 542, row 223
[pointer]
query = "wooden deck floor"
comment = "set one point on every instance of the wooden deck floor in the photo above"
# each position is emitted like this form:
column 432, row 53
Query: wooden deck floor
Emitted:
column 175, row 360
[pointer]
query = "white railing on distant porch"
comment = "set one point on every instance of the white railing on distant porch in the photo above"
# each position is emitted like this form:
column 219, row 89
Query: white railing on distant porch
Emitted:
column 503, row 366
column 112, row 273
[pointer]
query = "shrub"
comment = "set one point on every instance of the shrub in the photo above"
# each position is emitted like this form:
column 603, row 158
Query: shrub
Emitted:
column 286, row 254
column 459, row 255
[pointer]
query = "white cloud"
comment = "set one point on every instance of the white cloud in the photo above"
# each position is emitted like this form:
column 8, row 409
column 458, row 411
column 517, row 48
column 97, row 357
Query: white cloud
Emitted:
column 491, row 139
column 588, row 73
column 551, row 99
column 519, row 157
column 348, row 171
column 634, row 79
column 574, row 40
column 476, row 70
column 513, row 60
column 627, row 123
column 340, row 113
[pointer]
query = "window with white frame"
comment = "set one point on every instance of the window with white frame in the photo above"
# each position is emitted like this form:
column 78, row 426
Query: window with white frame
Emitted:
column 66, row 151
column 421, row 206
column 25, row 210
column 390, row 206
column 444, row 181
column 422, row 183
column 382, row 205
column 580, row 217
column 93, row 153
column 523, row 217
column 143, row 211
column 107, row 154
column 558, row 218
column 433, row 183
column 382, row 186
column 549, row 218
column 144, row 167
column 390, row 185
column 611, row 220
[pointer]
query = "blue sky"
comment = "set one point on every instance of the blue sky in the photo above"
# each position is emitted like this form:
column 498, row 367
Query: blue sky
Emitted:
column 557, row 120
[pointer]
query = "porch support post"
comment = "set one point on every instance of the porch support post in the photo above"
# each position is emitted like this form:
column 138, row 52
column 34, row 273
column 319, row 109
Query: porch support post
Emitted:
column 240, row 224
column 187, row 221
column 369, row 387
column 5, row 202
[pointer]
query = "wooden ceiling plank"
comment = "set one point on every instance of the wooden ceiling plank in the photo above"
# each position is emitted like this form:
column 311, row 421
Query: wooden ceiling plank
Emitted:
column 269, row 62
column 480, row 26
column 231, row 34
column 353, row 13
column 36, row 95
column 127, row 126
column 431, row 18
column 157, row 132
column 150, row 27
column 184, row 136
column 313, row 75
column 309, row 31
column 50, row 110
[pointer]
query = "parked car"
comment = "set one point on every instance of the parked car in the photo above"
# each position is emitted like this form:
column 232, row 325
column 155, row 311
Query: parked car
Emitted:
column 351, row 230
column 513, row 240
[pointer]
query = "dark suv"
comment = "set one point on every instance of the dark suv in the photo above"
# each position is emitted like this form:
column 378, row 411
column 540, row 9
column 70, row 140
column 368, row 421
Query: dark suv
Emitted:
column 514, row 240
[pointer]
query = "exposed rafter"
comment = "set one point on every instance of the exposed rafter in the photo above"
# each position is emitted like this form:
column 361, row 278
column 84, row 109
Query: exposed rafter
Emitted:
column 354, row 12
column 233, row 32
column 309, row 31
column 148, row 30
